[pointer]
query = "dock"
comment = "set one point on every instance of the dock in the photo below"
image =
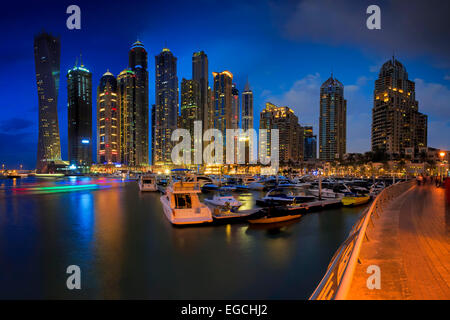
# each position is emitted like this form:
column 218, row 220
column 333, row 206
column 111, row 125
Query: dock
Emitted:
column 323, row 204
column 410, row 242
column 399, row 249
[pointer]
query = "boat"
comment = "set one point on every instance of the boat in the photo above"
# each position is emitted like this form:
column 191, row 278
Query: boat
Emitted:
column 222, row 215
column 148, row 183
column 49, row 175
column 376, row 188
column 355, row 199
column 286, row 184
column 249, row 183
column 280, row 196
column 326, row 193
column 224, row 200
column 275, row 216
column 228, row 187
column 255, row 185
column 209, row 187
column 182, row 205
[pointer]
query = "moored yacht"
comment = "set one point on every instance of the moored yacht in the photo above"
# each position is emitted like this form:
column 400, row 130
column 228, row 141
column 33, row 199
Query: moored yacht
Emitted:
column 284, row 197
column 148, row 183
column 181, row 204
column 326, row 193
column 224, row 200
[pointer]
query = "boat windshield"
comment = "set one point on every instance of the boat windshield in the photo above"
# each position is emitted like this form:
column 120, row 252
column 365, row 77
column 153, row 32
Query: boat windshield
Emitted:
column 227, row 195
column 183, row 201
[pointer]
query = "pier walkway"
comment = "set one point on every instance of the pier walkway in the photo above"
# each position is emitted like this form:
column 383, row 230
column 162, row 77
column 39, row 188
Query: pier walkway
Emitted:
column 410, row 242
column 406, row 234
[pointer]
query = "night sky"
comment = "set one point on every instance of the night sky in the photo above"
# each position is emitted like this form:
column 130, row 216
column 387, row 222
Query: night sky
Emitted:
column 286, row 49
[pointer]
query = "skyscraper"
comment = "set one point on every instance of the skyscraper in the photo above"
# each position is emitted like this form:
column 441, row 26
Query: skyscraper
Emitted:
column 166, row 109
column 126, row 92
column 235, row 107
column 79, row 105
column 332, row 121
column 290, row 132
column 46, row 58
column 200, row 74
column 222, row 103
column 190, row 108
column 138, row 64
column 310, row 144
column 397, row 123
column 247, row 117
column 108, row 120
column 247, row 108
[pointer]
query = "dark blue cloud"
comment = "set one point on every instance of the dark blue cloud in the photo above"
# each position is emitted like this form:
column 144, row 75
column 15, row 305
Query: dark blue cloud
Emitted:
column 15, row 124
column 271, row 42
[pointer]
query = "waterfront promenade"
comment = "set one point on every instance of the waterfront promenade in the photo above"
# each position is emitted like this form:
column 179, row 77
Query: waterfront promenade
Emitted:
column 410, row 242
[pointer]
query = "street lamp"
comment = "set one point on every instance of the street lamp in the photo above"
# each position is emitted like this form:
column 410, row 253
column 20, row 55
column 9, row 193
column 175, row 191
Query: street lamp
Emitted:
column 442, row 170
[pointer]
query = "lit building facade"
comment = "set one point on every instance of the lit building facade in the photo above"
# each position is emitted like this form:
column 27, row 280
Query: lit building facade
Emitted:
column 332, row 121
column 191, row 110
column 79, row 105
column 397, row 124
column 235, row 107
column 247, row 108
column 200, row 74
column 47, row 63
column 222, row 103
column 290, row 133
column 247, row 119
column 137, row 58
column 166, row 109
column 108, row 121
column 310, row 144
column 126, row 95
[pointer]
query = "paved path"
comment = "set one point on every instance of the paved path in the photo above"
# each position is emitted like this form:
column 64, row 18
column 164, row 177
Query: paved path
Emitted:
column 410, row 242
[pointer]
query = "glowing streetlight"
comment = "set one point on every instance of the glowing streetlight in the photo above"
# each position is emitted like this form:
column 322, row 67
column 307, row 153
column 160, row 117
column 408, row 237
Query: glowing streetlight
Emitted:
column 442, row 154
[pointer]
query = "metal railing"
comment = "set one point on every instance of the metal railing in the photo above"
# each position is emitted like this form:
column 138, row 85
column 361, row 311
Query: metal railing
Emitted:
column 337, row 280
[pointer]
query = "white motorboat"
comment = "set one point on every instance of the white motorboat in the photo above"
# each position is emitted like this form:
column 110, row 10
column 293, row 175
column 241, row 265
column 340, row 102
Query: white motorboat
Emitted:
column 283, row 197
column 181, row 204
column 148, row 183
column 254, row 184
column 224, row 200
column 326, row 193
column 228, row 187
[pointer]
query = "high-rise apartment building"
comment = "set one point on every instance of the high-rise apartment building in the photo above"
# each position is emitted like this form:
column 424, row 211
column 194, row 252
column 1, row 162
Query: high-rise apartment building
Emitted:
column 108, row 121
column 247, row 108
column 126, row 95
column 200, row 74
column 290, row 133
column 166, row 106
column 79, row 105
column 191, row 110
column 332, row 121
column 397, row 124
column 137, row 58
column 47, row 59
column 310, row 144
column 222, row 103
column 247, row 120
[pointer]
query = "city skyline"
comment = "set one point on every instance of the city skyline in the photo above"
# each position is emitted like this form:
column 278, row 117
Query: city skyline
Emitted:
column 275, row 82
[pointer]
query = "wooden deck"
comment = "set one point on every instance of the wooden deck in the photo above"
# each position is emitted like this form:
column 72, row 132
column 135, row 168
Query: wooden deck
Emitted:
column 410, row 242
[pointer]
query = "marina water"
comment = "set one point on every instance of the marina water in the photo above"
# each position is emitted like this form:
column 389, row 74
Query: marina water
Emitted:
column 126, row 248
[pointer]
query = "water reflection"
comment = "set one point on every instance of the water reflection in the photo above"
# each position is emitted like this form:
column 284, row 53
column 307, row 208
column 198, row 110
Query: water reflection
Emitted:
column 127, row 248
column 109, row 239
